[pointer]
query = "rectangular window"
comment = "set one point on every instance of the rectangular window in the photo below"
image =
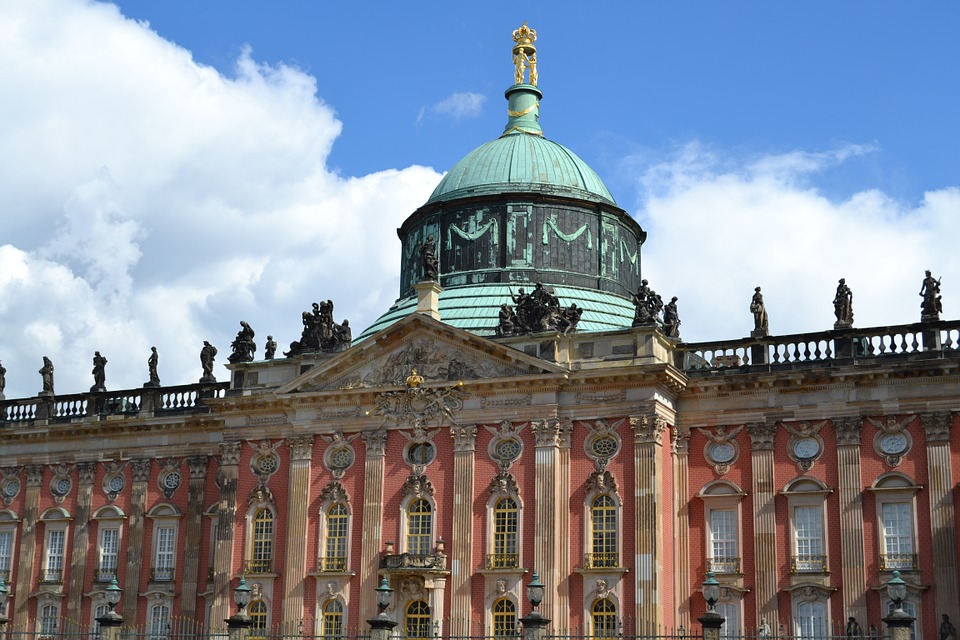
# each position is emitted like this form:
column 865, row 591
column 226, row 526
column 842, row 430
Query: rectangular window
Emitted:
column 808, row 524
column 164, row 554
column 49, row 619
column 109, row 550
column 898, row 550
column 725, row 556
column 6, row 552
column 53, row 570
column 338, row 520
column 811, row 622
column 731, row 620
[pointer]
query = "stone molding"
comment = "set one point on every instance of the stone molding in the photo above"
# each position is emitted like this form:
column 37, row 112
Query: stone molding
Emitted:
column 848, row 431
column 34, row 474
column 197, row 466
column 141, row 469
column 229, row 453
column 301, row 447
column 87, row 471
column 503, row 484
column 762, row 435
column 417, row 486
column 376, row 441
column 464, row 438
column 334, row 492
column 937, row 425
column 547, row 432
column 648, row 429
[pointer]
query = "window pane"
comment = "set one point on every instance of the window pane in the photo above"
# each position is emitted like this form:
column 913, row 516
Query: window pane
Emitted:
column 262, row 539
column 332, row 619
column 55, row 551
column 897, row 528
column 416, row 622
column 604, row 616
column 504, row 618
column 336, row 542
column 505, row 531
column 731, row 623
column 809, row 526
column 811, row 620
column 6, row 550
column 723, row 533
column 109, row 548
column 419, row 527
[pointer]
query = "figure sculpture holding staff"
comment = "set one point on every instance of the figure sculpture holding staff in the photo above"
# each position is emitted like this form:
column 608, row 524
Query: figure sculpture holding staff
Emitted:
column 843, row 306
column 428, row 258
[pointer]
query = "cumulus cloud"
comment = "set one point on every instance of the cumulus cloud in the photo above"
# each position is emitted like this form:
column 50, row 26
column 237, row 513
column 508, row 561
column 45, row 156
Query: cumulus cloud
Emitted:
column 457, row 106
column 719, row 226
column 150, row 200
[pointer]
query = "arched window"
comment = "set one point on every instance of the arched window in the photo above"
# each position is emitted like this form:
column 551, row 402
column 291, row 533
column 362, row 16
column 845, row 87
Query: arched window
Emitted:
column 604, row 533
column 8, row 535
column 895, row 495
column 806, row 502
column 504, row 618
column 604, row 614
column 257, row 610
column 419, row 527
column 261, row 552
column 338, row 523
column 505, row 532
column 332, row 619
column 49, row 620
column 811, row 620
column 159, row 622
column 416, row 622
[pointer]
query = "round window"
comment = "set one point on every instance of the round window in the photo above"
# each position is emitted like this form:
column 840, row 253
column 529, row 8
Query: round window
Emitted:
column 268, row 463
column 171, row 480
column 507, row 450
column 604, row 446
column 62, row 487
column 421, row 453
column 11, row 487
column 341, row 458
column 115, row 484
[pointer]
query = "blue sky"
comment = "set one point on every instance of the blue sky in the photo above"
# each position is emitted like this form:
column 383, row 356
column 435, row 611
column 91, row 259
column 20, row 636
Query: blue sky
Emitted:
column 171, row 168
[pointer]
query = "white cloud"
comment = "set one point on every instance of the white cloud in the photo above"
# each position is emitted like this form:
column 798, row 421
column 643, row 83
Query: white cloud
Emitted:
column 718, row 228
column 150, row 200
column 457, row 105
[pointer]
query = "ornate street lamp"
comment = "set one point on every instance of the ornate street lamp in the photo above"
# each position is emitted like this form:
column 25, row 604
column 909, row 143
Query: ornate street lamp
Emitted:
column 240, row 621
column 111, row 621
column 3, row 602
column 711, row 621
column 899, row 621
column 534, row 624
column 381, row 625
column 897, row 590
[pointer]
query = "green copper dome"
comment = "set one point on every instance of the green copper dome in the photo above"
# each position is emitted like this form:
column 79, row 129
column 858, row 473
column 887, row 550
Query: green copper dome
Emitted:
column 522, row 160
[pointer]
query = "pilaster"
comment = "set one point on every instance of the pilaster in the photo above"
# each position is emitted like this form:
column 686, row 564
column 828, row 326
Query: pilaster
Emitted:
column 546, row 526
column 762, row 436
column 227, row 477
column 461, row 553
column 135, row 536
column 854, row 581
column 295, row 556
column 87, row 471
column 937, row 427
column 680, row 448
column 647, row 444
column 376, row 442
column 562, row 621
column 28, row 544
column 192, row 574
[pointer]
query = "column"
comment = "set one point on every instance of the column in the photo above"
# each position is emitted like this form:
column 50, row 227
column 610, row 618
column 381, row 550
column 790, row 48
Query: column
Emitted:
column 81, row 539
column 546, row 522
column 192, row 573
column 564, row 570
column 647, row 447
column 937, row 427
column 371, row 527
column 680, row 446
column 137, row 552
column 227, row 477
column 295, row 556
column 461, row 546
column 764, row 520
column 854, row 580
column 28, row 543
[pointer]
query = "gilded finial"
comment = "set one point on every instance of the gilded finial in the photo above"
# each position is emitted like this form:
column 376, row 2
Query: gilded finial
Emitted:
column 525, row 55
column 414, row 380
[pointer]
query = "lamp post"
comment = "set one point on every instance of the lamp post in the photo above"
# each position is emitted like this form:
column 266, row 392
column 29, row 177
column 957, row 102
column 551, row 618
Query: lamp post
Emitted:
column 534, row 624
column 111, row 621
column 711, row 621
column 899, row 621
column 4, row 592
column 240, row 622
column 381, row 625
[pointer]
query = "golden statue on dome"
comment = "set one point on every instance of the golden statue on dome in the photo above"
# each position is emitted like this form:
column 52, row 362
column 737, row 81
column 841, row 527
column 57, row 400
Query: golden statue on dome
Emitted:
column 525, row 54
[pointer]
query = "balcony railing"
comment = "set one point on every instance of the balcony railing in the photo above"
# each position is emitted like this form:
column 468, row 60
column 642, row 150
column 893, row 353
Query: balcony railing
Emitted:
column 105, row 574
column 602, row 560
column 898, row 561
column 51, row 576
column 413, row 561
column 335, row 564
column 162, row 574
column 503, row 561
column 723, row 564
column 258, row 566
column 808, row 564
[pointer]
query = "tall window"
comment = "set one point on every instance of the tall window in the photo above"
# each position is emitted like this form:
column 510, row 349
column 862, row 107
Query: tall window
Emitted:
column 808, row 527
column 159, row 622
column 338, row 523
column 6, row 553
column 109, row 551
column 910, row 609
column 604, row 614
column 332, row 619
column 604, row 535
column 261, row 560
column 49, row 620
column 898, row 550
column 725, row 556
column 53, row 567
column 504, row 618
column 505, row 531
column 258, row 618
column 416, row 622
column 164, row 554
column 811, row 621
column 731, row 620
column 419, row 527
column 98, row 612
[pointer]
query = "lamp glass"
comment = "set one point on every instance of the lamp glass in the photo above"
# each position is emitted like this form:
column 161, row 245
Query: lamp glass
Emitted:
column 241, row 595
column 535, row 590
column 711, row 590
column 384, row 594
column 113, row 593
column 897, row 589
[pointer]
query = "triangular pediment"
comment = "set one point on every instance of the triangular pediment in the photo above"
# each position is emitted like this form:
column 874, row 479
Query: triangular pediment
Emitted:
column 439, row 353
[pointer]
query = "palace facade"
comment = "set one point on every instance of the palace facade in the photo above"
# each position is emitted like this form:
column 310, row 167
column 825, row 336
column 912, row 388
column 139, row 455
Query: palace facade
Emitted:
column 504, row 416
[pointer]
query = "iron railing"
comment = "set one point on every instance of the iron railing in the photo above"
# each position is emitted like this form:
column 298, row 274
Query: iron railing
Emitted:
column 336, row 564
column 601, row 560
column 808, row 564
column 51, row 576
column 723, row 564
column 502, row 561
column 162, row 574
column 258, row 566
column 899, row 561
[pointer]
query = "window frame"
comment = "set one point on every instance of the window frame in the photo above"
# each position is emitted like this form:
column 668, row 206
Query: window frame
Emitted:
column 253, row 565
column 327, row 563
column 335, row 618
column 498, row 558
column 55, row 520
column 896, row 488
column 165, row 517
column 426, row 541
column 806, row 492
column 499, row 627
column 9, row 524
column 424, row 616
column 723, row 495
column 609, row 619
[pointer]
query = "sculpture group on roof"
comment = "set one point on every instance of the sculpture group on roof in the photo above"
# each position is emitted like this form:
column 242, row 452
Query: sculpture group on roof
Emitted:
column 648, row 306
column 537, row 311
column 321, row 332
column 243, row 347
